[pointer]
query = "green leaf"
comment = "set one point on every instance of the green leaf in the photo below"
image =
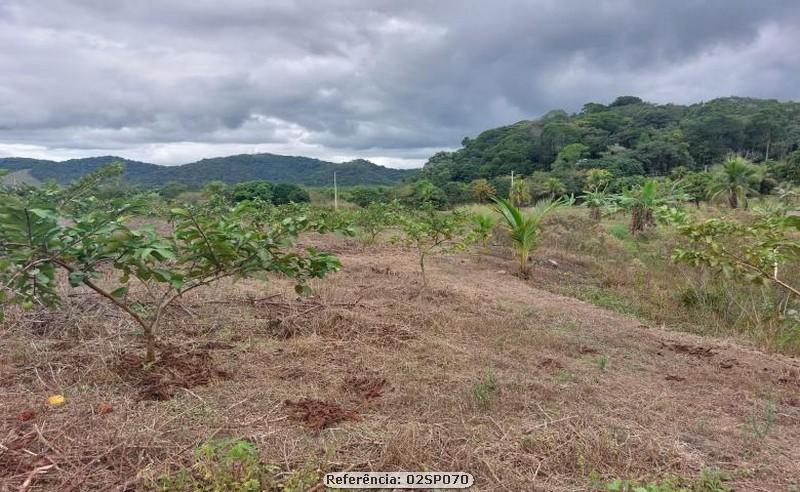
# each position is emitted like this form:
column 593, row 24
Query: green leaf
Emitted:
column 120, row 292
column 44, row 213
column 76, row 278
column 303, row 290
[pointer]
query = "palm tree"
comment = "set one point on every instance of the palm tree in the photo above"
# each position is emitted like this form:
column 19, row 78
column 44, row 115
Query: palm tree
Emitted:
column 733, row 180
column 554, row 186
column 524, row 230
column 519, row 193
column 482, row 226
column 482, row 189
column 598, row 178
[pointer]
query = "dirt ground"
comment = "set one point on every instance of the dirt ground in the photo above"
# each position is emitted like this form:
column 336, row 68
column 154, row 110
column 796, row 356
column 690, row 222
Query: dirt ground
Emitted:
column 374, row 374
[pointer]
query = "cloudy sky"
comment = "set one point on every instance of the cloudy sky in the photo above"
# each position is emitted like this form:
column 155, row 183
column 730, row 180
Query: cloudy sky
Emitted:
column 172, row 81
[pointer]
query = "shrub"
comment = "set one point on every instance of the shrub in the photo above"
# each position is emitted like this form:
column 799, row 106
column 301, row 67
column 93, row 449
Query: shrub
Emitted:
column 207, row 246
column 431, row 232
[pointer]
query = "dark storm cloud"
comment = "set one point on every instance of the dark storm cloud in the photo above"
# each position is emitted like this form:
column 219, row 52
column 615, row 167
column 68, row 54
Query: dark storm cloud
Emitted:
column 393, row 81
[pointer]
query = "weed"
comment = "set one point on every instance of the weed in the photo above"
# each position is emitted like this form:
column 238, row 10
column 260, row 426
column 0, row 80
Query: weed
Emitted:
column 221, row 465
column 565, row 376
column 760, row 423
column 710, row 480
column 602, row 362
column 482, row 391
column 607, row 299
column 620, row 231
column 301, row 480
column 224, row 465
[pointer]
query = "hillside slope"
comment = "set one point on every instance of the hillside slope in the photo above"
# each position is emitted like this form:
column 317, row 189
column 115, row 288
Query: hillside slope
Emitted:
column 231, row 169
column 555, row 416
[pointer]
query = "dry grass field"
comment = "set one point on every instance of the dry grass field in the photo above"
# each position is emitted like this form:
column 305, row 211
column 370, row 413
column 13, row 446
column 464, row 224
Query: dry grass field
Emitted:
column 482, row 372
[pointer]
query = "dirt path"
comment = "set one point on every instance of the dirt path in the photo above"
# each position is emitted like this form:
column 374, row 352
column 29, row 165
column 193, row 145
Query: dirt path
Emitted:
column 482, row 372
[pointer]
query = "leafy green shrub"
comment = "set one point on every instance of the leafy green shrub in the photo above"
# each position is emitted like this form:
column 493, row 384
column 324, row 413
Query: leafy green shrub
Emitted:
column 431, row 232
column 206, row 246
column 756, row 252
column 374, row 219
column 223, row 465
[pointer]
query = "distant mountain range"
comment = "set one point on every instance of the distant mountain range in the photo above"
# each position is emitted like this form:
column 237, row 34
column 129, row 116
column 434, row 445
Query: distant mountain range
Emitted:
column 231, row 169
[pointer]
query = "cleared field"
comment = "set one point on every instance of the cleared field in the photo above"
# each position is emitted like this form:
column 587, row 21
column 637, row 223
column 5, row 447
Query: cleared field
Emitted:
column 481, row 372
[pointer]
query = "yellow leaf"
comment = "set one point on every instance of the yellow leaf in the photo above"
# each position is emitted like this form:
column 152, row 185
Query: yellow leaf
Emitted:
column 56, row 400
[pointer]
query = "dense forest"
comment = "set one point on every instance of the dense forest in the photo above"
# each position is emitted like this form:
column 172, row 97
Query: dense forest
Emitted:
column 231, row 169
column 630, row 138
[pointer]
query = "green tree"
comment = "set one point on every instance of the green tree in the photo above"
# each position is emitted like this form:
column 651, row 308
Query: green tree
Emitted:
column 696, row 185
column 253, row 190
column 733, row 180
column 283, row 193
column 422, row 192
column 788, row 170
column 365, row 195
column 661, row 155
column 569, row 155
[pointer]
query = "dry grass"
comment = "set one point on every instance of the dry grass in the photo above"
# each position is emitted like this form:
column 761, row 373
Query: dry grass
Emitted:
column 667, row 402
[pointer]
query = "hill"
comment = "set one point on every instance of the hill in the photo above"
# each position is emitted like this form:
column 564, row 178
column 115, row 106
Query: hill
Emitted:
column 231, row 169
column 628, row 137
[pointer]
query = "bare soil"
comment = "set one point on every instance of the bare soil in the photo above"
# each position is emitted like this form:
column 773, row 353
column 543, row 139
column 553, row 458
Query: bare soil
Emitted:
column 374, row 373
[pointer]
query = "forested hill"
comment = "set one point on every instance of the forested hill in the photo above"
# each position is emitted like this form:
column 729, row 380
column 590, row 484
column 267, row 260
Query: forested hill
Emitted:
column 628, row 137
column 231, row 169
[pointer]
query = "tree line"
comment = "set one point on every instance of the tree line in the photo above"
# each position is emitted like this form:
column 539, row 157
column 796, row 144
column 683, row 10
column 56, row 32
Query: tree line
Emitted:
column 630, row 138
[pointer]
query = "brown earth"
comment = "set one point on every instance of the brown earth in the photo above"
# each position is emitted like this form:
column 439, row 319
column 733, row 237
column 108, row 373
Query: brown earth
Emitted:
column 375, row 374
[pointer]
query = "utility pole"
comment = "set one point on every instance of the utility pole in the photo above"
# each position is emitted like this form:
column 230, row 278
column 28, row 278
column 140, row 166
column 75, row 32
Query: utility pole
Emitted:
column 335, row 193
column 511, row 189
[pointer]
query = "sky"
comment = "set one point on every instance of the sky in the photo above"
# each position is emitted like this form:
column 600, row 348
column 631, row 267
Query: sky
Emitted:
column 392, row 81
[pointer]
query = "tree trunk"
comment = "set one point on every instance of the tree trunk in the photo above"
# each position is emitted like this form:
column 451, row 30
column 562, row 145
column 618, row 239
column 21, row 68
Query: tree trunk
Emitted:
column 150, row 340
column 523, row 263
column 637, row 220
column 733, row 199
column 769, row 141
column 594, row 214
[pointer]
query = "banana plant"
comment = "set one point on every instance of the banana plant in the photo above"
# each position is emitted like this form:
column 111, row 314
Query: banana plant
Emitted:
column 596, row 201
column 523, row 229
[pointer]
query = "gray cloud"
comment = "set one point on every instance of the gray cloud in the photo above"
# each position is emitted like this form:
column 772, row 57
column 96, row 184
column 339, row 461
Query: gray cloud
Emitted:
column 176, row 80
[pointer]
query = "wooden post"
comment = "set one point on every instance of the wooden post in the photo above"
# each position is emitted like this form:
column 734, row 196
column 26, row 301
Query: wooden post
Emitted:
column 335, row 193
